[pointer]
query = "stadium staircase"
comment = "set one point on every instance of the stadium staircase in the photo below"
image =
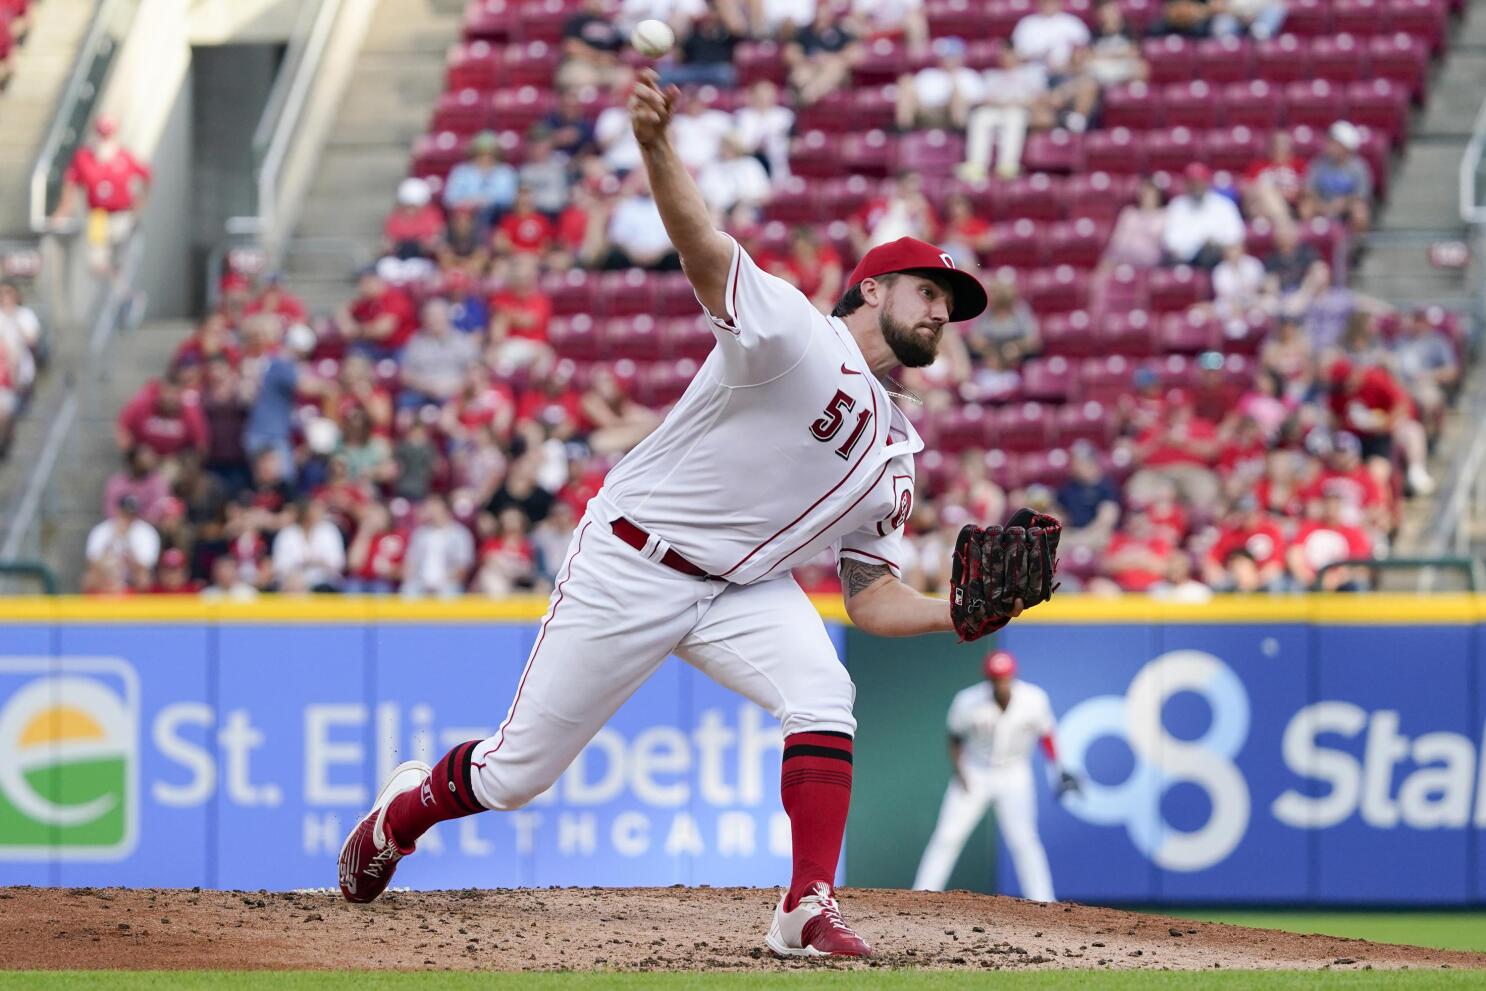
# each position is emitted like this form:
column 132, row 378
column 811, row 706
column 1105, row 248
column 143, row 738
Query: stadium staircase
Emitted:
column 397, row 77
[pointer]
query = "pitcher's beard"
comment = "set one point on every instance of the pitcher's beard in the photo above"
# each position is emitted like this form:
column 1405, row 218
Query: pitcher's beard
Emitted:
column 908, row 346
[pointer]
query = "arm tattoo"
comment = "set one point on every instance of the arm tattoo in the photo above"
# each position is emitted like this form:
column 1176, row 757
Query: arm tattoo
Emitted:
column 857, row 576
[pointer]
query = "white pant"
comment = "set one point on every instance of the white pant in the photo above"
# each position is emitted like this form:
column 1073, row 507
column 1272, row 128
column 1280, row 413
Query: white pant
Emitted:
column 1011, row 791
column 1005, row 127
column 614, row 617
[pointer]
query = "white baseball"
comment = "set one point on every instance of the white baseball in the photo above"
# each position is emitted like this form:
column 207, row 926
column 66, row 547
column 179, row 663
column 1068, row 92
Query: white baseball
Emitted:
column 652, row 38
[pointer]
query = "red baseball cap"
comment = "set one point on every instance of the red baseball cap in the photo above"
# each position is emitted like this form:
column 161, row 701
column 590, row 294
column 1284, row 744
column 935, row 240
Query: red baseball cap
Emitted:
column 1197, row 172
column 909, row 254
column 1000, row 664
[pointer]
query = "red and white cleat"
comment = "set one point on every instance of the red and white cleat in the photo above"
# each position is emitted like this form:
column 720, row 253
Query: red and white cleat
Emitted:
column 368, row 857
column 814, row 929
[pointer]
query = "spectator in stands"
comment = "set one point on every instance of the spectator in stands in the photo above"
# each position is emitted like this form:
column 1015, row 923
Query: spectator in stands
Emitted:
column 1369, row 402
column 1426, row 362
column 520, row 314
column 1292, row 265
column 309, row 554
column 965, row 234
column 820, row 56
column 523, row 230
column 484, row 183
column 270, row 422
column 380, row 320
column 1008, row 327
column 1257, row 19
column 1090, row 499
column 763, row 127
column 440, row 553
column 1139, row 233
column 736, row 179
column 1178, row 585
column 708, row 34
column 900, row 209
column 121, row 551
column 274, row 299
column 162, row 417
column 613, row 421
column 895, row 20
column 226, row 402
column 436, row 360
column 359, row 389
column 1114, row 56
column 1249, row 553
column 546, row 173
column 228, row 582
column 415, row 226
column 697, row 131
column 1328, row 310
column 1138, row 557
column 1327, row 540
column 174, row 576
column 1014, row 99
column 941, row 94
column 141, row 480
column 1190, row 18
column 507, row 558
column 1201, row 222
column 1239, row 283
column 569, row 126
column 469, row 312
column 784, row 18
column 614, row 135
column 1179, row 447
column 1368, row 486
column 417, row 460
column 113, row 184
column 20, row 335
column 1272, row 187
column 1339, row 182
column 590, row 47
column 366, row 455
column 212, row 338
column 374, row 559
column 1361, row 344
column 1050, row 35
column 637, row 237
column 462, row 245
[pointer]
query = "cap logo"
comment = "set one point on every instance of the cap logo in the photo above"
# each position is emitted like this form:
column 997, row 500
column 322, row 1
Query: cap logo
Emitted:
column 948, row 261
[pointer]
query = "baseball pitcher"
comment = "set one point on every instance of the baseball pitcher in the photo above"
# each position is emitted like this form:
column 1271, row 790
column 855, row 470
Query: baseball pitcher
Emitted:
column 993, row 728
column 786, row 443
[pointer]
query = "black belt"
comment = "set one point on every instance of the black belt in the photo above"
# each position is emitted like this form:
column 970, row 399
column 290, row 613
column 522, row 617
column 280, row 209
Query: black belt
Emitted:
column 638, row 539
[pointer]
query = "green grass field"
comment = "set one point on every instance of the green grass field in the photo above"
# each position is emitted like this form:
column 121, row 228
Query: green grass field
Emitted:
column 806, row 977
column 1442, row 930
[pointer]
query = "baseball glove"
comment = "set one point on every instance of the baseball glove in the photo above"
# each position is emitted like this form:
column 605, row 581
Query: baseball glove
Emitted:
column 995, row 566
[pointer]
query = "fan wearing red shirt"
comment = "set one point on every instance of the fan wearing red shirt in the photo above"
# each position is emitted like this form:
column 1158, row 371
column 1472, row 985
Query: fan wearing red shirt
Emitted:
column 1331, row 538
column 814, row 267
column 965, row 235
column 1137, row 555
column 162, row 417
column 415, row 226
column 1180, row 448
column 1272, row 186
column 1249, row 554
column 901, row 208
column 520, row 314
column 113, row 184
column 552, row 401
column 374, row 559
column 280, row 302
column 1370, row 402
column 211, row 339
column 1343, row 468
column 481, row 403
column 523, row 230
column 381, row 319
column 174, row 575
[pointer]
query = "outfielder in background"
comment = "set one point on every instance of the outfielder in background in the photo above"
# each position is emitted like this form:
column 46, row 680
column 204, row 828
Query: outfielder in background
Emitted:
column 994, row 726
column 785, row 444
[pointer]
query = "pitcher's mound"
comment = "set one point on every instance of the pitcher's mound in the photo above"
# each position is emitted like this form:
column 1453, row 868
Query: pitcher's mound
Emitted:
column 626, row 929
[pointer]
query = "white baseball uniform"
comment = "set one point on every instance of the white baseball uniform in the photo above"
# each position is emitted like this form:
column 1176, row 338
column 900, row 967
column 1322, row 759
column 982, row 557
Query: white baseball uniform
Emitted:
column 784, row 445
column 996, row 762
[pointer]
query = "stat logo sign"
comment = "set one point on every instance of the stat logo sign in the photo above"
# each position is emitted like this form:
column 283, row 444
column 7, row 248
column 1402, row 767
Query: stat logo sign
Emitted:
column 69, row 758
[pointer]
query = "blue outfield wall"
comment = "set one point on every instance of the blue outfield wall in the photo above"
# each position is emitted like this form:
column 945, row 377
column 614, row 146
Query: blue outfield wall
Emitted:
column 1263, row 753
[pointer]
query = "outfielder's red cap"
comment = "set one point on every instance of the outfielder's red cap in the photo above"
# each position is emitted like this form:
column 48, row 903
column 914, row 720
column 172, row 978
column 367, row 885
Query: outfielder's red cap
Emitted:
column 909, row 254
column 1000, row 664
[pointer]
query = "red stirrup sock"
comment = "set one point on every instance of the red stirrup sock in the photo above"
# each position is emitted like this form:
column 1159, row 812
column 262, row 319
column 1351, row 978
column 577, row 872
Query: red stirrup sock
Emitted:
column 816, row 787
column 445, row 795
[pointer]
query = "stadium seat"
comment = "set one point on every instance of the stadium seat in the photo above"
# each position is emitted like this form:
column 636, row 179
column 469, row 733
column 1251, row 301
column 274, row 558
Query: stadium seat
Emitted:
column 489, row 20
column 1115, row 151
column 1282, row 60
column 463, row 112
column 1018, row 243
column 1360, row 18
column 1233, row 149
column 1173, row 150
column 1079, row 243
column 933, row 152
column 576, row 337
column 1402, row 58
column 1194, row 104
column 543, row 20
column 1059, row 151
column 1171, row 289
column 1134, row 105
column 1069, row 334
column 1316, row 102
column 757, row 60
column 881, row 62
column 1225, row 60
column 571, row 292
column 1025, row 426
column 1089, row 421
column 687, row 337
column 1188, row 333
column 1308, row 18
column 1132, row 333
column 869, row 154
column 1172, row 59
column 1255, row 103
column 1049, row 467
column 1340, row 58
column 1381, row 104
column 1035, row 197
column 1057, row 290
column 1048, row 379
column 1099, row 195
column 1422, row 19
column 519, row 108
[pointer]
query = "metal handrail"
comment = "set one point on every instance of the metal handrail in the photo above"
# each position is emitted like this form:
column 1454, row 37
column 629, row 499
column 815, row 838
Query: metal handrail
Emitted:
column 32, row 569
column 303, row 77
column 273, row 108
column 1475, row 570
column 72, row 93
column 1472, row 210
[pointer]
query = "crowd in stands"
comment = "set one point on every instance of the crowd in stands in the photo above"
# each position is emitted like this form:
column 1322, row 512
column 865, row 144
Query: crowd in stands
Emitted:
column 1172, row 361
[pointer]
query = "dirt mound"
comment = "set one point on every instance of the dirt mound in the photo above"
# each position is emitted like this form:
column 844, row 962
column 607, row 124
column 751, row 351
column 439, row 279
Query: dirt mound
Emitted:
column 635, row 929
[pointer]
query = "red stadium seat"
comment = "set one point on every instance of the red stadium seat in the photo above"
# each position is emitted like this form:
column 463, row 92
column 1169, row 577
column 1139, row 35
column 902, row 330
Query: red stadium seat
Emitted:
column 1176, row 288
column 1197, row 105
column 1018, row 243
column 1048, row 379
column 636, row 337
column 1225, row 60
column 881, row 62
column 1340, row 58
column 1308, row 18
column 1002, row 16
column 794, row 201
column 1172, row 59
column 1282, row 60
column 1036, row 197
column 1132, row 334
column 674, row 296
column 1099, row 195
column 576, row 337
column 1381, row 104
column 960, row 18
column 687, row 337
column 1057, row 290
column 1316, row 102
column 1089, row 421
column 627, row 292
column 814, row 154
column 543, row 20
column 1079, row 243
column 1245, row 335
column 437, row 154
column 1106, row 379
column 571, row 292
column 1188, row 333
column 1059, row 151
column 1256, row 103
column 1023, row 426
column 464, row 112
column 518, row 109
column 1357, row 17
column 663, row 382
column 1173, row 150
column 871, row 154
column 757, row 60
column 473, row 66
column 490, row 20
column 840, row 198
column 933, row 152
column 1234, row 149
column 1423, row 19
column 1400, row 57
column 1259, row 237
column 1050, row 468
column 1115, row 151
column 959, row 428
column 1069, row 334
column 1134, row 105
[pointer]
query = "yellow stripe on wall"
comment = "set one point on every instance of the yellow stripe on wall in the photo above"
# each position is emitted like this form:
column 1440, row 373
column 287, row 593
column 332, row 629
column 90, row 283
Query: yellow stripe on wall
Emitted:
column 1392, row 610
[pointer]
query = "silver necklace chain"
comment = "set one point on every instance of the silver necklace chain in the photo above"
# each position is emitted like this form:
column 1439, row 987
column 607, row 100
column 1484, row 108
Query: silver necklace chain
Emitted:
column 889, row 384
